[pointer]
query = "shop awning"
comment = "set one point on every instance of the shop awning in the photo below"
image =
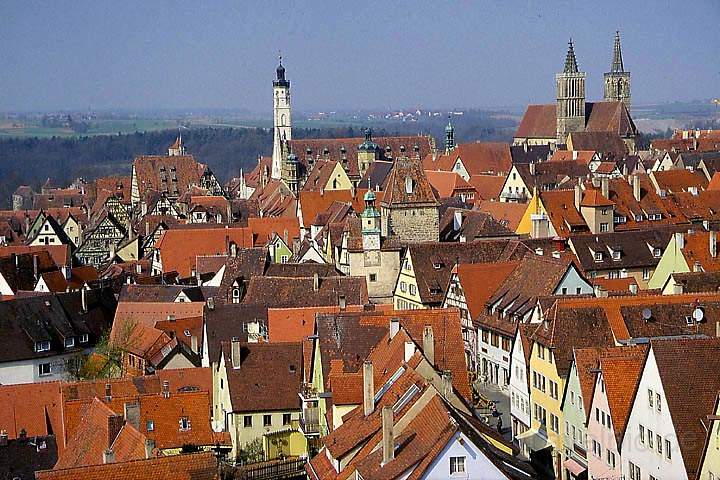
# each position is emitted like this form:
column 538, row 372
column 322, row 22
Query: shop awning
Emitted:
column 533, row 439
column 574, row 467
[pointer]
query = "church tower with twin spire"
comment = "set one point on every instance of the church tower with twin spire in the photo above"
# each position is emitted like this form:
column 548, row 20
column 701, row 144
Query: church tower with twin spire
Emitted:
column 570, row 107
column 281, row 119
column 617, row 80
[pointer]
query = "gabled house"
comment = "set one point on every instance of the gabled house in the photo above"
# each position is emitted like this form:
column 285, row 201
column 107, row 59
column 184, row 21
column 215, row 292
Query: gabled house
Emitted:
column 256, row 389
column 617, row 375
column 665, row 430
column 49, row 232
column 520, row 385
column 101, row 241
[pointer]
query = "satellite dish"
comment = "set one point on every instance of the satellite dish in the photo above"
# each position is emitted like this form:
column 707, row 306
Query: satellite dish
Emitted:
column 646, row 314
column 698, row 314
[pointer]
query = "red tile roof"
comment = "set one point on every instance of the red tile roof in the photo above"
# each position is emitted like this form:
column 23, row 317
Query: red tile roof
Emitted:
column 478, row 158
column 193, row 466
column 539, row 121
column 179, row 248
column 448, row 184
column 508, row 213
column 488, row 187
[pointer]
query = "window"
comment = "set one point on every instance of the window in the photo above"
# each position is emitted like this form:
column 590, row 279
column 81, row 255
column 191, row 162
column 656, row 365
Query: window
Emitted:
column 541, row 352
column 651, row 439
column 286, row 419
column 652, row 478
column 150, row 425
column 267, row 420
column 284, row 259
column 84, row 338
column 247, row 421
column 553, row 390
column 668, row 451
column 42, row 346
column 69, row 342
column 403, row 287
column 597, row 450
column 44, row 369
column 610, row 459
column 572, row 398
column 646, row 274
column 184, row 424
column 598, row 256
column 554, row 423
column 413, row 289
column 658, row 440
column 616, row 255
column 657, row 253
column 634, row 471
column 657, row 402
column 604, row 227
column 651, row 398
column 642, row 434
column 457, row 465
column 604, row 211
column 373, row 277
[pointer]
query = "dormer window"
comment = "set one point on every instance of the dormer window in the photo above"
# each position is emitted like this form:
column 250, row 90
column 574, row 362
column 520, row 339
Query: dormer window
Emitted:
column 409, row 185
column 657, row 253
column 84, row 338
column 638, row 217
column 42, row 346
column 69, row 342
column 616, row 254
column 236, row 295
column 184, row 424
column 598, row 256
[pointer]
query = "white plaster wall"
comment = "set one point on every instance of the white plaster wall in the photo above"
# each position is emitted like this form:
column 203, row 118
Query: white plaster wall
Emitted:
column 477, row 465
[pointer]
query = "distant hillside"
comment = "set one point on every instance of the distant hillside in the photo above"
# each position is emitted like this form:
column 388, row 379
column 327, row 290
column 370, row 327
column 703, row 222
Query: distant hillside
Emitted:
column 31, row 161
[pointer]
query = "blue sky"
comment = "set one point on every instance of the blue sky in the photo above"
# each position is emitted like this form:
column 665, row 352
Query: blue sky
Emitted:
column 345, row 54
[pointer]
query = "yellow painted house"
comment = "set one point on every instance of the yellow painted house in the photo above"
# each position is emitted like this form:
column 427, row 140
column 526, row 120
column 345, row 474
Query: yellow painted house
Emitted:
column 710, row 463
column 535, row 207
column 407, row 295
column 686, row 252
column 328, row 175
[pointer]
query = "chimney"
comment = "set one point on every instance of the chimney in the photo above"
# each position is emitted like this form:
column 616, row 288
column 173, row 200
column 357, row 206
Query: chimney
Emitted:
column 83, row 299
column 131, row 412
column 35, row 267
column 578, row 197
column 429, row 344
column 235, row 352
column 342, row 302
column 316, row 282
column 574, row 154
column 194, row 343
column 713, row 244
column 409, row 350
column 108, row 456
column 447, row 383
column 115, row 423
column 108, row 392
column 149, row 447
column 680, row 240
column 636, row 187
column 457, row 220
column 166, row 389
column 532, row 169
column 210, row 303
column 368, row 388
column 394, row 327
column 3, row 438
column 605, row 187
column 388, row 442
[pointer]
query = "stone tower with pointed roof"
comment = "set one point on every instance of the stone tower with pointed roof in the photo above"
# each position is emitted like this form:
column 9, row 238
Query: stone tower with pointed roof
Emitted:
column 449, row 137
column 570, row 113
column 617, row 80
column 370, row 218
column 281, row 119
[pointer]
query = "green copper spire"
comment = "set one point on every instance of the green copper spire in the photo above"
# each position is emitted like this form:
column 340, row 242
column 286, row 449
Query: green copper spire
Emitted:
column 617, row 64
column 570, row 61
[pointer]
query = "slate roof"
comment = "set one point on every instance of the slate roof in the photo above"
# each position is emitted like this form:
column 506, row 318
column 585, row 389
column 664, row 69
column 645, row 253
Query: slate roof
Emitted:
column 21, row 458
column 475, row 225
column 529, row 153
column 608, row 143
column 52, row 318
column 19, row 270
column 252, row 389
column 377, row 174
column 698, row 282
column 636, row 248
column 223, row 322
column 148, row 174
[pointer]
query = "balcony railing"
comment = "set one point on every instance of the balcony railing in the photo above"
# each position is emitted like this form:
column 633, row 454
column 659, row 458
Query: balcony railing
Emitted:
column 310, row 421
column 308, row 392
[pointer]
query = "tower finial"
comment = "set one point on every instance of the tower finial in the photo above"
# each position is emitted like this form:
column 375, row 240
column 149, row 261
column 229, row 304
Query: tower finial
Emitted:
column 617, row 64
column 570, row 60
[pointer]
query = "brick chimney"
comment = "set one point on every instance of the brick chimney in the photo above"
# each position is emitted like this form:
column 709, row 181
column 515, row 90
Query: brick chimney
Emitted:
column 429, row 344
column 131, row 412
column 368, row 389
column 388, row 441
column 166, row 389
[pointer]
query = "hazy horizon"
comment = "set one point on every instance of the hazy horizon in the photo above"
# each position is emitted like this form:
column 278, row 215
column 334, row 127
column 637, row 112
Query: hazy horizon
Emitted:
column 359, row 56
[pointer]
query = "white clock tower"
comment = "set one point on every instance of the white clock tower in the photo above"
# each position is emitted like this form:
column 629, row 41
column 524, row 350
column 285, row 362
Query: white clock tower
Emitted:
column 281, row 119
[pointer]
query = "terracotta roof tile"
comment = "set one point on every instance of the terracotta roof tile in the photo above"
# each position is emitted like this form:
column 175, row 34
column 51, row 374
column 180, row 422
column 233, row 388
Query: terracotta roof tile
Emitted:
column 539, row 121
column 508, row 213
column 478, row 158
column 448, row 184
column 488, row 187
column 194, row 466
column 301, row 292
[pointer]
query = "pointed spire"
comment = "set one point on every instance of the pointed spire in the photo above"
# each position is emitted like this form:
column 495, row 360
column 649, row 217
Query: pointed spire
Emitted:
column 570, row 61
column 449, row 136
column 617, row 64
